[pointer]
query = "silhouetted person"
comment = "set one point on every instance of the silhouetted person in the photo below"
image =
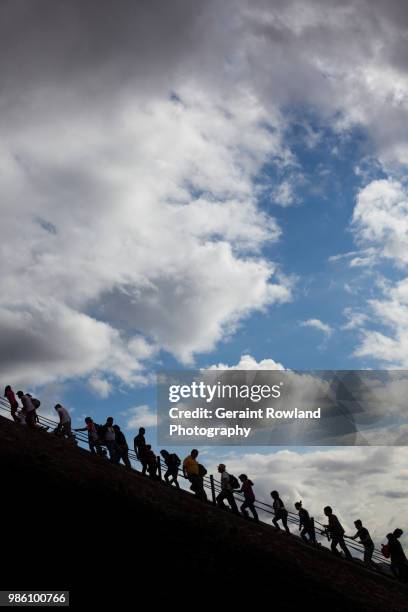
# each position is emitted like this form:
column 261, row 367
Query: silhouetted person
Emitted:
column 172, row 462
column 306, row 524
column 64, row 426
column 109, row 439
column 9, row 394
column 151, row 460
column 122, row 447
column 29, row 409
column 140, row 448
column 281, row 514
column 227, row 491
column 94, row 439
column 399, row 563
column 249, row 497
column 192, row 471
column 363, row 534
column 336, row 532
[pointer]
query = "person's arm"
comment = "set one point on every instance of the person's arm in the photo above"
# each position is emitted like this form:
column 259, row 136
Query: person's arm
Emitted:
column 355, row 536
column 81, row 429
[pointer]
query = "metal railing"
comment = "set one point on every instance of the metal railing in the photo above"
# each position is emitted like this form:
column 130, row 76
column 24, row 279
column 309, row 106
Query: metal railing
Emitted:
column 214, row 487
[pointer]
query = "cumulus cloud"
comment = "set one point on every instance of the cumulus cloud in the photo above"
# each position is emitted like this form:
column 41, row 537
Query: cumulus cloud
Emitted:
column 140, row 416
column 132, row 140
column 319, row 325
column 247, row 362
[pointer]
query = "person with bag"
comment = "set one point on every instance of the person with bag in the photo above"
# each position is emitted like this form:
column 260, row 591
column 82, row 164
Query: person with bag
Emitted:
column 281, row 514
column 173, row 463
column 194, row 472
column 9, row 394
column 306, row 524
column 94, row 436
column 228, row 484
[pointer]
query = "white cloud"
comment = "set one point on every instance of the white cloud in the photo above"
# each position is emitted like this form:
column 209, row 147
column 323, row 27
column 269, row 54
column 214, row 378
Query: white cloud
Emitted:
column 100, row 386
column 317, row 324
column 140, row 416
column 247, row 362
column 355, row 319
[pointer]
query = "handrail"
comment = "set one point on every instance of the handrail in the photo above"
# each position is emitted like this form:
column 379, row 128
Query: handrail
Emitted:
column 208, row 482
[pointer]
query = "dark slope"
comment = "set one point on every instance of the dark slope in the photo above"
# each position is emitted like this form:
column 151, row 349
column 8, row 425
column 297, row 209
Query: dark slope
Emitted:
column 72, row 520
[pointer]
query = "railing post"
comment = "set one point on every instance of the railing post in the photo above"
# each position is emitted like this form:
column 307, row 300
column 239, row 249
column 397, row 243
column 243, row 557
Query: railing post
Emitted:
column 214, row 501
column 159, row 467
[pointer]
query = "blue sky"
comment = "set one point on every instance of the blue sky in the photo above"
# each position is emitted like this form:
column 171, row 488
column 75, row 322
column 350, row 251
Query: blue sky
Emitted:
column 217, row 184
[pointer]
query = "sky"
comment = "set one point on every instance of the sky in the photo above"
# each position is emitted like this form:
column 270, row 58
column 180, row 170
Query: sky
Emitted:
column 197, row 184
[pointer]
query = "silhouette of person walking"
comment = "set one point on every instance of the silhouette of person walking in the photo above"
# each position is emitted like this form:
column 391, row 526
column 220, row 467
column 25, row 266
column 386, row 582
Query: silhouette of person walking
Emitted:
column 335, row 531
column 194, row 472
column 9, row 394
column 94, row 439
column 281, row 514
column 29, row 409
column 249, row 497
column 227, row 490
column 172, row 462
column 306, row 524
column 139, row 443
column 151, row 461
column 399, row 563
column 363, row 534
column 122, row 447
column 109, row 439
column 64, row 426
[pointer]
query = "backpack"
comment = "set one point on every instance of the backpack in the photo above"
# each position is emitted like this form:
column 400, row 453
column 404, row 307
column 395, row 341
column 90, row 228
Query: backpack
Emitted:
column 234, row 482
column 385, row 549
column 201, row 470
column 174, row 460
column 35, row 402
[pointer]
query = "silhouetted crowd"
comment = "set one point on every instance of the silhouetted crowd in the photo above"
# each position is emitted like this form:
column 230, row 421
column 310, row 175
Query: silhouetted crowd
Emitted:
column 108, row 439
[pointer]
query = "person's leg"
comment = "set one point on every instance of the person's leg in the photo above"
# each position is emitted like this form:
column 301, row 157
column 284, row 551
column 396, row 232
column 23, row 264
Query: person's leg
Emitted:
column 253, row 510
column 167, row 476
column 368, row 553
column 285, row 521
column 232, row 502
column 345, row 549
column 220, row 499
column 303, row 534
column 275, row 521
column 333, row 546
column 126, row 460
column 30, row 419
column 144, row 467
column 202, row 494
column 244, row 506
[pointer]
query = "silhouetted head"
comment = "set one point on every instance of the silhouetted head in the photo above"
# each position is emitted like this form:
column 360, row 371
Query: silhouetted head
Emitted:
column 109, row 421
column 397, row 533
column 57, row 406
column 20, row 394
column 243, row 477
column 116, row 427
column 221, row 468
column 389, row 536
column 164, row 453
column 88, row 420
column 358, row 524
column 142, row 430
column 274, row 494
column 328, row 510
column 194, row 453
column 148, row 446
column 6, row 390
column 298, row 505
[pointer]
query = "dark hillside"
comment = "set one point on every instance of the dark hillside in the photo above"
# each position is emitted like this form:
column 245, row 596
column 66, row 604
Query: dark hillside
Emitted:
column 72, row 520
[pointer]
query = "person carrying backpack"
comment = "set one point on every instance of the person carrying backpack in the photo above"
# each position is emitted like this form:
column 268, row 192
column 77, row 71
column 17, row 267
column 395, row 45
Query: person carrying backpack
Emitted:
column 228, row 484
column 249, row 497
column 29, row 409
column 335, row 530
column 194, row 472
column 122, row 446
column 172, row 462
column 94, row 436
column 306, row 524
column 281, row 514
